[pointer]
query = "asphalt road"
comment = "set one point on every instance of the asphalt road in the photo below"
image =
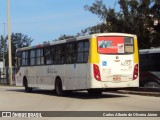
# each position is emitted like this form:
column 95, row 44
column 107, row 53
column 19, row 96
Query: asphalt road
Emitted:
column 15, row 99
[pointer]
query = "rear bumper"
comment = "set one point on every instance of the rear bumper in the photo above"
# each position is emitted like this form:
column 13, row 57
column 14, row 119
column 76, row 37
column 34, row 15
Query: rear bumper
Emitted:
column 128, row 84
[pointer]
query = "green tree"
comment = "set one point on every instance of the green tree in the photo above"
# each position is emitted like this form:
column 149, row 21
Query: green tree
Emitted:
column 18, row 40
column 62, row 37
column 155, row 16
column 135, row 17
column 3, row 47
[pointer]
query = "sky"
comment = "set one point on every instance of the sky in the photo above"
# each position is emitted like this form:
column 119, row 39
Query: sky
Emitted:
column 46, row 20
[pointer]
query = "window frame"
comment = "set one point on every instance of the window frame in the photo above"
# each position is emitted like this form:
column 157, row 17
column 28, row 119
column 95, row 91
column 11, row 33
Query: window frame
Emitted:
column 26, row 58
column 39, row 57
column 32, row 57
column 71, row 53
column 83, row 50
column 49, row 48
column 62, row 54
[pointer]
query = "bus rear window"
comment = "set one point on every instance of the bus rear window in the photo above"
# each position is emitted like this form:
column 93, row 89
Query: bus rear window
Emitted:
column 115, row 45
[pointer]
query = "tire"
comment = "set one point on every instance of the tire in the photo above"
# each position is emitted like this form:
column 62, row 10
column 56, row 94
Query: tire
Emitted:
column 58, row 87
column 27, row 89
column 152, row 84
column 149, row 82
column 94, row 92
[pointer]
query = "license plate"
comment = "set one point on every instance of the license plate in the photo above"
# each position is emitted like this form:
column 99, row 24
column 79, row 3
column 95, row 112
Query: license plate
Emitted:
column 116, row 78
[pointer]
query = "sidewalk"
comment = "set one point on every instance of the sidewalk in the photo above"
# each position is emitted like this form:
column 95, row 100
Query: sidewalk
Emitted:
column 142, row 91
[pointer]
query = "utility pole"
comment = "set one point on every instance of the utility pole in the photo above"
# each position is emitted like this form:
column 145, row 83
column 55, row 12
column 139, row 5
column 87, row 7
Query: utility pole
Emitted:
column 4, row 50
column 9, row 44
column 4, row 47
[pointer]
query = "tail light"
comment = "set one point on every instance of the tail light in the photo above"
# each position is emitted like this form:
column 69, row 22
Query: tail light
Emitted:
column 135, row 73
column 96, row 71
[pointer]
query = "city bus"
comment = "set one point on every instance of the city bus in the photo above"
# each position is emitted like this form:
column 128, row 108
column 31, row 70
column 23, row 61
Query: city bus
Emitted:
column 93, row 62
column 150, row 68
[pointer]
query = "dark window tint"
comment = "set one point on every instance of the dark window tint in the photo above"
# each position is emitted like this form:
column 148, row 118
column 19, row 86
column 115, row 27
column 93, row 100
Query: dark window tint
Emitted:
column 71, row 52
column 154, row 61
column 82, row 51
column 144, row 60
column 25, row 59
column 39, row 57
column 60, row 54
column 32, row 57
column 150, row 62
column 19, row 59
column 49, row 55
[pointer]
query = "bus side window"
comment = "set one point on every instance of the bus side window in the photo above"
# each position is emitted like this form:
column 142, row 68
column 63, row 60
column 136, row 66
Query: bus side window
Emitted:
column 32, row 57
column 19, row 59
column 86, row 51
column 39, row 57
column 157, row 61
column 53, row 54
column 48, row 56
column 82, row 51
column 60, row 54
column 154, row 62
column 63, row 54
column 144, row 62
column 25, row 59
column 19, row 62
column 71, row 53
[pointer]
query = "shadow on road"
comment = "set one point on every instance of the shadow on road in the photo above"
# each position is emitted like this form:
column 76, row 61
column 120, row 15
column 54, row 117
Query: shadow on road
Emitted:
column 85, row 95
column 74, row 94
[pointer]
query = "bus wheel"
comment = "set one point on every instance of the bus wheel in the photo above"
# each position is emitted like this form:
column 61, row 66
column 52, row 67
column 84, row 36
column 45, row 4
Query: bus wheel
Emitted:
column 94, row 92
column 27, row 89
column 58, row 87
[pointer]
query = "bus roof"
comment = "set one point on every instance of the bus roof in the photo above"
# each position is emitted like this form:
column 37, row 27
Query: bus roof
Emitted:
column 75, row 39
column 146, row 51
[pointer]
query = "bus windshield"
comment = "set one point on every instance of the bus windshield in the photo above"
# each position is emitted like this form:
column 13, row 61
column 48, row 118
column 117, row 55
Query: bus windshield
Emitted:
column 115, row 45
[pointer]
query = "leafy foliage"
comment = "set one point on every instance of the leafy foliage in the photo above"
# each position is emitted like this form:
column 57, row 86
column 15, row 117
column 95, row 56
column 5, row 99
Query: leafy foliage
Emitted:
column 135, row 17
column 3, row 44
column 18, row 40
column 62, row 37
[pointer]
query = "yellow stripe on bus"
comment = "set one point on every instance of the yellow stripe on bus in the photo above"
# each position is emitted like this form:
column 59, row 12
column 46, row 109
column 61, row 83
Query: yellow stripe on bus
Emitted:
column 136, row 60
column 93, row 55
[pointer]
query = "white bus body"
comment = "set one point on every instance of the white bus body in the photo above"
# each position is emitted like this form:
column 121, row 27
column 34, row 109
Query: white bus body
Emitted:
column 92, row 68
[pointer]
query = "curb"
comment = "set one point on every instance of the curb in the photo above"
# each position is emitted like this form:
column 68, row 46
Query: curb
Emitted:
column 142, row 91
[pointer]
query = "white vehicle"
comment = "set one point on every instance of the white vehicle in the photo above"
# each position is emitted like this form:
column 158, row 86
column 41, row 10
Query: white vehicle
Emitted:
column 94, row 62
